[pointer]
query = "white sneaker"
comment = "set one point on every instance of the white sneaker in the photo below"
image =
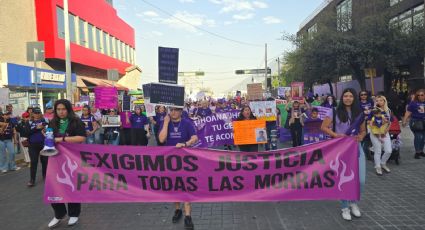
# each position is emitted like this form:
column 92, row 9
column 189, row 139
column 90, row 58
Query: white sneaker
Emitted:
column 346, row 214
column 385, row 168
column 4, row 171
column 72, row 221
column 16, row 169
column 378, row 171
column 54, row 222
column 355, row 210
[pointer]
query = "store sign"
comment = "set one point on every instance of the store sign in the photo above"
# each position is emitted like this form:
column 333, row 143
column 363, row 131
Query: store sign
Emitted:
column 17, row 95
column 49, row 78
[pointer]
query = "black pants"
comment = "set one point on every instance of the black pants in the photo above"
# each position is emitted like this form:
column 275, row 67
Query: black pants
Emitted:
column 248, row 148
column 125, row 137
column 138, row 137
column 156, row 130
column 74, row 210
column 296, row 134
column 34, row 152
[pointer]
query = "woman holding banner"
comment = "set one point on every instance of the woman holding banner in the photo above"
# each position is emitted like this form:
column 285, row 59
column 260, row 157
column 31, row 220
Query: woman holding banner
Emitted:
column 67, row 127
column 139, row 127
column 179, row 132
column 348, row 120
column 246, row 114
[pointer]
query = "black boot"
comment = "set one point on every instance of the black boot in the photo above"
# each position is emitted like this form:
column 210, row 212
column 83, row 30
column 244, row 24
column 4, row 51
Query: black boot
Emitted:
column 188, row 224
column 422, row 154
column 177, row 215
column 417, row 155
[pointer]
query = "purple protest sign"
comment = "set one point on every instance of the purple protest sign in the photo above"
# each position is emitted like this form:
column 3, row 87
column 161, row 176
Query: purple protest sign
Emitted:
column 313, row 132
column 215, row 130
column 106, row 97
column 83, row 173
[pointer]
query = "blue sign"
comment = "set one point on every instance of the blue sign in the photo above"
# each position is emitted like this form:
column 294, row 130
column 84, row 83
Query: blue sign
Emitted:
column 168, row 64
column 22, row 76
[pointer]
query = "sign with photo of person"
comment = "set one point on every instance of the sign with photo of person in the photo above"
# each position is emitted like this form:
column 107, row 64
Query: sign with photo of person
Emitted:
column 111, row 121
column 249, row 132
column 264, row 110
column 297, row 90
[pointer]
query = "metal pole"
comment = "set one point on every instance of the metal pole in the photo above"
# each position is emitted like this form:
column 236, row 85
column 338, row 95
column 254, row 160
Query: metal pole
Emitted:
column 69, row 94
column 35, row 52
column 265, row 67
column 278, row 69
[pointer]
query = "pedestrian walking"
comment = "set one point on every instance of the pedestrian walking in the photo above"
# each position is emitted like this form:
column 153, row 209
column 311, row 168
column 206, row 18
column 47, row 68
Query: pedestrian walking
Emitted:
column 379, row 125
column 179, row 132
column 7, row 140
column 348, row 120
column 36, row 144
column 416, row 113
column 244, row 115
column 67, row 127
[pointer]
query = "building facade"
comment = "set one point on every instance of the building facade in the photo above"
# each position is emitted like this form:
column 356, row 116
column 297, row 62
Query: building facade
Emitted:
column 100, row 40
column 405, row 13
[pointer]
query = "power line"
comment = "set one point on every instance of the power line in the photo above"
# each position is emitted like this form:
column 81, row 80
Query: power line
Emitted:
column 201, row 29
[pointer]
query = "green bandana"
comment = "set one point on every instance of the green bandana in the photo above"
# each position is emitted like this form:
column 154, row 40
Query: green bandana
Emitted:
column 63, row 125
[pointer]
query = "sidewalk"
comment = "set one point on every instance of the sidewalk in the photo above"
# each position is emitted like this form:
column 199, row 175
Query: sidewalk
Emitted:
column 392, row 201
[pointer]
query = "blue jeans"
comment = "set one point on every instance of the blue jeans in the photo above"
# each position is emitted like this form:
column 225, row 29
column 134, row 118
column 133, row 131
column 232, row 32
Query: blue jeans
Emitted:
column 419, row 141
column 362, row 177
column 90, row 139
column 115, row 141
column 7, row 162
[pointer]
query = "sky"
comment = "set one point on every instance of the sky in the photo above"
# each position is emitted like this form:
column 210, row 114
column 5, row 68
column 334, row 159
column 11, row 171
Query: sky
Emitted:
column 214, row 36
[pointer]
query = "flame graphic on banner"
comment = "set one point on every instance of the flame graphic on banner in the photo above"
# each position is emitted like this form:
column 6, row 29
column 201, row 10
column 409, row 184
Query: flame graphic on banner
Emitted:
column 67, row 179
column 334, row 165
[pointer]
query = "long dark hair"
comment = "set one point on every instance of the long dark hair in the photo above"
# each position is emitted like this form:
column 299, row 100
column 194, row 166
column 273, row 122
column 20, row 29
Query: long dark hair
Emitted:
column 72, row 117
column 333, row 101
column 84, row 107
column 356, row 110
column 241, row 117
column 368, row 99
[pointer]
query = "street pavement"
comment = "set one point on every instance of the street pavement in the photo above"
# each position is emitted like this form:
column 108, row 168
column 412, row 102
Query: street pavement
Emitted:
column 393, row 201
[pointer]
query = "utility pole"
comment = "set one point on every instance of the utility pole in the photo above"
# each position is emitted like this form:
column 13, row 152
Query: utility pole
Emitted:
column 278, row 69
column 68, row 79
column 265, row 67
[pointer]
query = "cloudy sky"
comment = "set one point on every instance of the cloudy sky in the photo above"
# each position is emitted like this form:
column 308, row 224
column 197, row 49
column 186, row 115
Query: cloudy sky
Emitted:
column 215, row 36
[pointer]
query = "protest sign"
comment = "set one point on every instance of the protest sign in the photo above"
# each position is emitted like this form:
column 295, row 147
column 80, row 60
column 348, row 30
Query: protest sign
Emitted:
column 150, row 109
column 168, row 64
column 264, row 110
column 249, row 132
column 215, row 130
column 111, row 121
column 255, row 91
column 126, row 103
column 106, row 97
column 283, row 91
column 297, row 89
column 166, row 94
column 83, row 173
column 281, row 102
column 313, row 132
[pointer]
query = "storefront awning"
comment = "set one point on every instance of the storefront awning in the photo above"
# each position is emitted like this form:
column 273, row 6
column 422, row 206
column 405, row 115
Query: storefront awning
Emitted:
column 99, row 82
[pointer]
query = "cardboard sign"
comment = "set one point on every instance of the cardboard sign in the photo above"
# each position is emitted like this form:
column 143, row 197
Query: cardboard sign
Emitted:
column 111, row 121
column 150, row 109
column 166, row 94
column 264, row 110
column 297, row 89
column 255, row 91
column 283, row 91
column 106, row 97
column 249, row 132
column 168, row 64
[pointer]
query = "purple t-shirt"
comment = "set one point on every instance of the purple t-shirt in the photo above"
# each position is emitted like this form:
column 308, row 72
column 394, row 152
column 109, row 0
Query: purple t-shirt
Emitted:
column 417, row 109
column 138, row 121
column 88, row 122
column 203, row 112
column 179, row 132
column 347, row 128
column 159, row 119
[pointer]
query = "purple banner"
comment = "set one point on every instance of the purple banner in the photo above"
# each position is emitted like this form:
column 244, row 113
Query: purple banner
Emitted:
column 106, row 97
column 111, row 174
column 215, row 130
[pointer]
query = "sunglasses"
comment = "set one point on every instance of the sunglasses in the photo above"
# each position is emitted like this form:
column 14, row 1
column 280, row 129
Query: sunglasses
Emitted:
column 363, row 94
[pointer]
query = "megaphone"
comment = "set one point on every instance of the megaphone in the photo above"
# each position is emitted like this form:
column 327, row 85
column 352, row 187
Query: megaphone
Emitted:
column 49, row 144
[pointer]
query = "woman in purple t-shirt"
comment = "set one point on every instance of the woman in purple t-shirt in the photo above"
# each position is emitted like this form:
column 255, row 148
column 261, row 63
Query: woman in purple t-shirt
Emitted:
column 349, row 121
column 416, row 112
column 139, row 128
